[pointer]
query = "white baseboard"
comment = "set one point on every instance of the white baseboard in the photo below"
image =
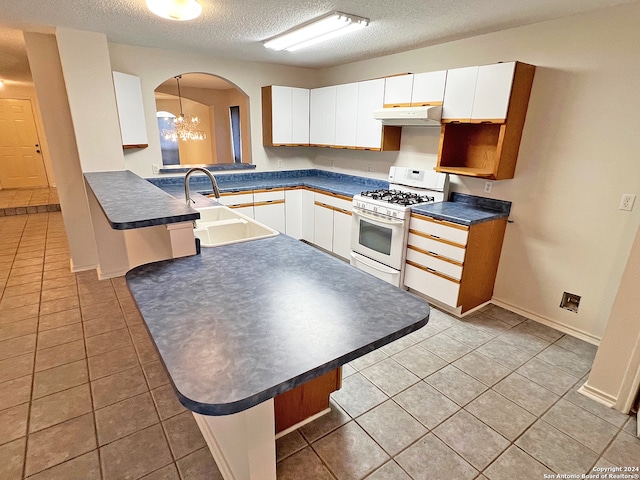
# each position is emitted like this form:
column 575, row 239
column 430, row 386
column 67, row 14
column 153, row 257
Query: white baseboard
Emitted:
column 574, row 332
column 81, row 268
column 303, row 423
column 102, row 275
column 598, row 395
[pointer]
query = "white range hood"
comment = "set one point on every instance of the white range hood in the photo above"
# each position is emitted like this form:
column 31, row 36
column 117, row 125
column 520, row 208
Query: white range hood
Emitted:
column 422, row 116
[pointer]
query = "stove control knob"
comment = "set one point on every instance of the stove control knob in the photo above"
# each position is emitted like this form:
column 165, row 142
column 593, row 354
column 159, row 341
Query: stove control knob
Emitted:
column 375, row 209
column 395, row 214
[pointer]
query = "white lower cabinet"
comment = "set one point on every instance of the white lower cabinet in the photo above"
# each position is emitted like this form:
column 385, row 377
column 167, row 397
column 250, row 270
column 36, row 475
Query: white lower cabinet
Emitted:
column 308, row 215
column 240, row 201
column 299, row 213
column 454, row 265
column 323, row 226
column 293, row 212
column 341, row 244
column 269, row 208
column 332, row 223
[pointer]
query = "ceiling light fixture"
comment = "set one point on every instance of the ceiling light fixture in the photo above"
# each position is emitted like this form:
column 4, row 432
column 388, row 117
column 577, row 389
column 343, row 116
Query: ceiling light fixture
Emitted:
column 321, row 29
column 183, row 127
column 175, row 9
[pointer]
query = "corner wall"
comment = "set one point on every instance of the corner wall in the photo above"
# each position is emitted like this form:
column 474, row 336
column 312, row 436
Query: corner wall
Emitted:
column 54, row 108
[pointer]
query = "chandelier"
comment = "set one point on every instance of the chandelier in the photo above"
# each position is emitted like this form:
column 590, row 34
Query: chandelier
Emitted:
column 183, row 127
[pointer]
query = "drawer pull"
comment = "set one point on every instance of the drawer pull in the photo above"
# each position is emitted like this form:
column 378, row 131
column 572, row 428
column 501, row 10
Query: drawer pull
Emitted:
column 434, row 236
column 434, row 254
column 430, row 270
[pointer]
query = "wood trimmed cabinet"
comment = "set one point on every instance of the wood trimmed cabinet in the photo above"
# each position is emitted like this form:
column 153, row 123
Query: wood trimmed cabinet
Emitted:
column 453, row 264
column 415, row 89
column 332, row 223
column 133, row 128
column 337, row 117
column 285, row 116
column 482, row 120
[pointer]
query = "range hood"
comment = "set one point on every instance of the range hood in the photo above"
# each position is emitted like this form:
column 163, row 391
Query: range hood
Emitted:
column 423, row 116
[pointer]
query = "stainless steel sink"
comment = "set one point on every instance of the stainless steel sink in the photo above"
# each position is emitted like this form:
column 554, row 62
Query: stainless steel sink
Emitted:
column 222, row 226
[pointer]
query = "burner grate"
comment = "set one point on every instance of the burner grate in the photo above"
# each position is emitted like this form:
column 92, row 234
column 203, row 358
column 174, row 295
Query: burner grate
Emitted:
column 397, row 197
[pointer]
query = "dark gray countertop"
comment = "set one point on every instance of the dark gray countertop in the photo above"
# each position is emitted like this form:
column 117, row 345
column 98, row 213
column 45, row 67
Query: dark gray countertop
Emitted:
column 462, row 209
column 242, row 323
column 129, row 201
column 466, row 209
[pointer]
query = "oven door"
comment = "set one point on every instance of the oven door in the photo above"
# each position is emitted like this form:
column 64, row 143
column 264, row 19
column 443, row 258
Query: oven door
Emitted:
column 378, row 237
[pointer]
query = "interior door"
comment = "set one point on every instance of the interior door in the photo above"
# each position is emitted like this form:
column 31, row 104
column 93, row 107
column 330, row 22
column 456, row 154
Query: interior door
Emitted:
column 21, row 163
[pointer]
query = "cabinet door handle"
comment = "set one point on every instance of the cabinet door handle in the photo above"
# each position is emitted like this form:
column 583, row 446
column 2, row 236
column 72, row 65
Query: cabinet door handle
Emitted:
column 434, row 236
column 433, row 253
column 431, row 270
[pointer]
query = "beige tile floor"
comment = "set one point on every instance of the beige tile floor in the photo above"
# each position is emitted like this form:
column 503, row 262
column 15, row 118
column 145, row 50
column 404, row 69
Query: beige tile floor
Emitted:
column 28, row 200
column 84, row 396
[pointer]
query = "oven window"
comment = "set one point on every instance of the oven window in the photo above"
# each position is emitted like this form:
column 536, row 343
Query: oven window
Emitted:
column 375, row 237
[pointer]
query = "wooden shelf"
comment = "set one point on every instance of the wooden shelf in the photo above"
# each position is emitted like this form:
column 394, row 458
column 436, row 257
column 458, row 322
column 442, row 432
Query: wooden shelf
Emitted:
column 467, row 171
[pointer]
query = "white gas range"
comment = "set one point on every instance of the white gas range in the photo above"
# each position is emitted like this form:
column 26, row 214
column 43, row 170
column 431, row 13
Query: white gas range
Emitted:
column 380, row 222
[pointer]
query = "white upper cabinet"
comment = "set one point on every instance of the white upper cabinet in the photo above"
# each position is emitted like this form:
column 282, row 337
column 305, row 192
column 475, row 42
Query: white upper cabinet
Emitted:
column 414, row 90
column 346, row 114
column 370, row 98
column 459, row 93
column 397, row 90
column 428, row 88
column 281, row 114
column 493, row 90
column 322, row 116
column 133, row 127
column 300, row 115
column 478, row 94
column 285, row 115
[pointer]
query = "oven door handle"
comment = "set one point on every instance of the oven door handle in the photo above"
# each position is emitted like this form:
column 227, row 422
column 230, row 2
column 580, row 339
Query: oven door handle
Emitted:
column 373, row 218
column 375, row 265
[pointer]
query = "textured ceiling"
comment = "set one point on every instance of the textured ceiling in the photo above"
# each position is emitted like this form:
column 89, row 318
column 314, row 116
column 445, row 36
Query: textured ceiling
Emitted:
column 235, row 29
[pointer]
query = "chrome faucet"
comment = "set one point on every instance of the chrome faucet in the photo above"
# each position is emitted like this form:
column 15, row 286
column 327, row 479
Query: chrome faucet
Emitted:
column 187, row 193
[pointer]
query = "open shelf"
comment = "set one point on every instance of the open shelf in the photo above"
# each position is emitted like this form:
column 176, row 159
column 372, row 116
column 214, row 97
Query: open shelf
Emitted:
column 471, row 149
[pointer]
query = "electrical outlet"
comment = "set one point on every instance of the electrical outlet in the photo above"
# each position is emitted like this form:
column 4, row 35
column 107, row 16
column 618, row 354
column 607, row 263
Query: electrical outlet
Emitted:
column 570, row 301
column 627, row 202
column 279, row 163
column 369, row 168
column 155, row 168
column 487, row 187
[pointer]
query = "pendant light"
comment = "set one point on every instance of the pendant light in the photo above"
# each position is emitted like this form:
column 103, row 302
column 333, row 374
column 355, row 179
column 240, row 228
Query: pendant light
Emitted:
column 183, row 127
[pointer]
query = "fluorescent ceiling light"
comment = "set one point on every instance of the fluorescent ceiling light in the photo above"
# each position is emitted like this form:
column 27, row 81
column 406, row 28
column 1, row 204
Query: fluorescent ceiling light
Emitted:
column 319, row 30
column 175, row 9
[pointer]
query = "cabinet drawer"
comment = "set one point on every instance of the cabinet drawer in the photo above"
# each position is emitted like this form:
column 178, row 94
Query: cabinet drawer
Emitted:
column 268, row 195
column 335, row 200
column 440, row 229
column 438, row 247
column 233, row 198
column 440, row 289
column 434, row 262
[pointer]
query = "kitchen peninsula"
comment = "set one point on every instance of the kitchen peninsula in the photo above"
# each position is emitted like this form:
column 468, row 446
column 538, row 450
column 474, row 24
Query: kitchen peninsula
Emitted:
column 243, row 323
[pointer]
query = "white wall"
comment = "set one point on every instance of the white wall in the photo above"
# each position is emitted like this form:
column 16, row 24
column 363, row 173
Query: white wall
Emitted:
column 579, row 154
column 87, row 74
column 154, row 66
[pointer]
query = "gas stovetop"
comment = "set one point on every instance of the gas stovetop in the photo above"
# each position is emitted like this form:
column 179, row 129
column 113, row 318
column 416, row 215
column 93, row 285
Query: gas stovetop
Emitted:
column 398, row 197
